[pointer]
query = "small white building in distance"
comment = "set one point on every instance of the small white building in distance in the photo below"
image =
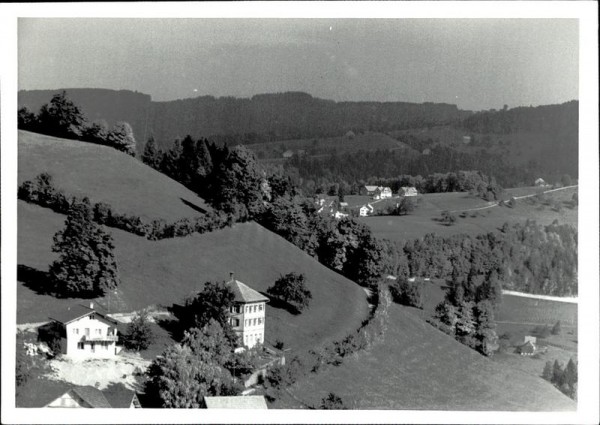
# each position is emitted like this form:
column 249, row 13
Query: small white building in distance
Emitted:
column 365, row 210
column 540, row 182
column 86, row 333
column 248, row 313
column 408, row 191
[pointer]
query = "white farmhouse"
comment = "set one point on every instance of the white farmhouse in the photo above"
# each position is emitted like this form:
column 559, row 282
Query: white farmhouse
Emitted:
column 365, row 210
column 86, row 333
column 248, row 313
column 408, row 191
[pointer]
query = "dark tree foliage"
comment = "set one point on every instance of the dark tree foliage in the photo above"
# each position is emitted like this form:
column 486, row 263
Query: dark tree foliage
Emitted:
column 26, row 120
column 138, row 335
column 86, row 266
column 152, row 155
column 291, row 289
column 332, row 402
column 556, row 329
column 408, row 293
column 448, row 218
column 121, row 138
column 212, row 303
column 60, row 118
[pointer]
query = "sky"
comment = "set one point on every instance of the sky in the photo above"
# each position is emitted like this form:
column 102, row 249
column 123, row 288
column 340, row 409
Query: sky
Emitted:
column 473, row 63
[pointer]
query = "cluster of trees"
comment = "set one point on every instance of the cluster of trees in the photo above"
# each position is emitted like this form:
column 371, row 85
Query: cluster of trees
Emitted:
column 409, row 292
column 525, row 257
column 139, row 334
column 352, row 171
column 41, row 191
column 86, row 266
column 62, row 118
column 563, row 377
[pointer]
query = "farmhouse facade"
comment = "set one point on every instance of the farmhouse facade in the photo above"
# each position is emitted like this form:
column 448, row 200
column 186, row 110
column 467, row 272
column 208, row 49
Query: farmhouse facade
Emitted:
column 86, row 333
column 378, row 192
column 365, row 210
column 247, row 314
column 408, row 191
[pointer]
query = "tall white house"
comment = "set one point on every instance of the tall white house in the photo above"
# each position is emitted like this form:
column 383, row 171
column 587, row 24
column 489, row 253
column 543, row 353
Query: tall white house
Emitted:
column 86, row 333
column 248, row 313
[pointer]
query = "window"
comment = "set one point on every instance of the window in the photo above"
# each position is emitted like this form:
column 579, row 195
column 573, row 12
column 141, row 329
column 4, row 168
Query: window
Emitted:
column 80, row 345
column 260, row 307
column 254, row 322
column 76, row 331
column 255, row 308
column 260, row 320
column 87, row 331
column 98, row 331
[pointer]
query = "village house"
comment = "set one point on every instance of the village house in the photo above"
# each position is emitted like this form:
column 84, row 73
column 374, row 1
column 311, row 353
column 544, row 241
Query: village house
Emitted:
column 236, row 402
column 466, row 140
column 528, row 348
column 91, row 397
column 288, row 154
column 247, row 315
column 339, row 215
column 540, row 182
column 427, row 151
column 408, row 191
column 365, row 210
column 378, row 192
column 86, row 333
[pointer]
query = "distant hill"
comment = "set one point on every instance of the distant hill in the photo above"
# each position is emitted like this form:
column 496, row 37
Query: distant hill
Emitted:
column 264, row 117
column 106, row 175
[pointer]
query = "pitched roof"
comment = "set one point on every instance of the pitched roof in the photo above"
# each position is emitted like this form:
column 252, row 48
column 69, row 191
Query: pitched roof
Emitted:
column 243, row 293
column 75, row 312
column 371, row 188
column 236, row 402
column 92, row 396
column 119, row 396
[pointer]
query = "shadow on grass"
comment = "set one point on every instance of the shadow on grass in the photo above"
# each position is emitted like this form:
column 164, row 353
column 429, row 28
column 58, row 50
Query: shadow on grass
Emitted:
column 193, row 206
column 36, row 280
column 172, row 326
column 282, row 305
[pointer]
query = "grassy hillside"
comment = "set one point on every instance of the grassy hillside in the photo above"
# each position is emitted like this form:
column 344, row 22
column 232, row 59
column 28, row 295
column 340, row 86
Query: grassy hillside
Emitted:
column 105, row 175
column 424, row 219
column 418, row 367
column 164, row 272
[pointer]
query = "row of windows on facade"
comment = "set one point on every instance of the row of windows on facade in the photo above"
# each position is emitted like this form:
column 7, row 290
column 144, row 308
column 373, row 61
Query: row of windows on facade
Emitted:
column 247, row 322
column 96, row 332
column 249, row 338
column 249, row 308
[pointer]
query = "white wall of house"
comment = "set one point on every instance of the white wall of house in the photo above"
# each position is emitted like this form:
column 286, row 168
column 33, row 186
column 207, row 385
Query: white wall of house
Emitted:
column 249, row 323
column 91, row 337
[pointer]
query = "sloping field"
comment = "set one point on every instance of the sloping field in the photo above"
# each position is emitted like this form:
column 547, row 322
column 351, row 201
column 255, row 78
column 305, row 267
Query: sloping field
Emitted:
column 417, row 367
column 106, row 175
column 164, row 272
column 424, row 219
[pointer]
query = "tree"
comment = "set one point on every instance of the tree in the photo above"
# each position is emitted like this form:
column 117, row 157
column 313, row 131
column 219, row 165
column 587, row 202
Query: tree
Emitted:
column 86, row 266
column 547, row 372
column 138, row 335
column 152, row 155
column 26, row 120
column 121, row 138
column 96, row 132
column 570, row 379
column 557, row 374
column 212, row 303
column 448, row 218
column 61, row 117
column 556, row 329
column 332, row 402
column 179, row 378
column 406, row 206
column 408, row 293
column 210, row 343
column 292, row 289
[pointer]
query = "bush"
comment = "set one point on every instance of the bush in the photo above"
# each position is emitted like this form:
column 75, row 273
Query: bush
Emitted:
column 332, row 402
column 138, row 335
column 541, row 331
column 408, row 293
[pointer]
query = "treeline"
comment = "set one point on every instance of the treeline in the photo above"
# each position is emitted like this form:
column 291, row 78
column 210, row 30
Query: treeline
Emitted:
column 523, row 257
column 41, row 191
column 353, row 170
column 62, row 118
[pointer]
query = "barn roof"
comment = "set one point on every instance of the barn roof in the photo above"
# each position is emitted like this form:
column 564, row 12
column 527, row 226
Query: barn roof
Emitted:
column 243, row 293
column 119, row 396
column 91, row 395
column 236, row 402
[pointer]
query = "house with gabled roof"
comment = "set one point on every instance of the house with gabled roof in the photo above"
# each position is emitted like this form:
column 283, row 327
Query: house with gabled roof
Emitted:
column 85, row 332
column 365, row 210
column 408, row 191
column 288, row 154
column 247, row 314
column 236, row 402
column 116, row 396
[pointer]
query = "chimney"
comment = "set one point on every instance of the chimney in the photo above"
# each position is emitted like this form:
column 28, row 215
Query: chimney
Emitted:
column 92, row 305
column 230, row 276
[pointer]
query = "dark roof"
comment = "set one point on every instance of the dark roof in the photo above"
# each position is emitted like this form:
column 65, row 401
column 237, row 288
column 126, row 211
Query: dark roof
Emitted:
column 119, row 396
column 93, row 396
column 75, row 312
column 243, row 293
column 236, row 402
